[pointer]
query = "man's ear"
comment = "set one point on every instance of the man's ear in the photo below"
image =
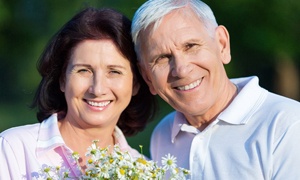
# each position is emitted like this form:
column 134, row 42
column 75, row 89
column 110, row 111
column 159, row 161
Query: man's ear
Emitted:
column 222, row 37
column 146, row 77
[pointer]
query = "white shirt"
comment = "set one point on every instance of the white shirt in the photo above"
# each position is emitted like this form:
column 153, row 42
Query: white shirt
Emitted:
column 24, row 150
column 256, row 137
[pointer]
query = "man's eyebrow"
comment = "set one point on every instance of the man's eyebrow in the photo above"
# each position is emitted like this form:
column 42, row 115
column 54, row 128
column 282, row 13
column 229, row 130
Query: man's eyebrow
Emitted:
column 192, row 40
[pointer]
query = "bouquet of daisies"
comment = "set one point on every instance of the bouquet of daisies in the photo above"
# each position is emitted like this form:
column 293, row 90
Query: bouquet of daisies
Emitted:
column 117, row 165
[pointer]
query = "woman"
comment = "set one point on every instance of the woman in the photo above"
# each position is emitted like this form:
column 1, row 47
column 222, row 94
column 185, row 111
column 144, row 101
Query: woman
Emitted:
column 90, row 88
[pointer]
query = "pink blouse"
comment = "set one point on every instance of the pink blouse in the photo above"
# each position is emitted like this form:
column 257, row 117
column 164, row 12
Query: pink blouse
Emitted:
column 24, row 150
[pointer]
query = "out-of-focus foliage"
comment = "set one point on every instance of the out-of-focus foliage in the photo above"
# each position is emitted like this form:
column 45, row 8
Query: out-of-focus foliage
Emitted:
column 264, row 34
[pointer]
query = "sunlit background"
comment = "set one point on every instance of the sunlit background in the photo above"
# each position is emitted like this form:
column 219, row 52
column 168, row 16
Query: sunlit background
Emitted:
column 265, row 38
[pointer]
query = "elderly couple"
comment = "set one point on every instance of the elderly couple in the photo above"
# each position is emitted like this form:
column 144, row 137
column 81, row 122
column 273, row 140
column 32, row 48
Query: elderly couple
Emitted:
column 100, row 72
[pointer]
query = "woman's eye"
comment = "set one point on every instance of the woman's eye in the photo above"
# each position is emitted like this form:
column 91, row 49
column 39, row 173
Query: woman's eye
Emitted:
column 115, row 72
column 83, row 70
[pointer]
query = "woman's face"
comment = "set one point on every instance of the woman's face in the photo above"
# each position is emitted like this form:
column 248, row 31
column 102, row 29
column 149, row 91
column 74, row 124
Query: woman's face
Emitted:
column 98, row 84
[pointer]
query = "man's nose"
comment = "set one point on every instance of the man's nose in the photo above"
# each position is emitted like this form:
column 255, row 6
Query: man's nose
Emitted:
column 180, row 66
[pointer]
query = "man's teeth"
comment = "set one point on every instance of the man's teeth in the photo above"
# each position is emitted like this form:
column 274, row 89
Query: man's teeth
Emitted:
column 190, row 86
column 98, row 104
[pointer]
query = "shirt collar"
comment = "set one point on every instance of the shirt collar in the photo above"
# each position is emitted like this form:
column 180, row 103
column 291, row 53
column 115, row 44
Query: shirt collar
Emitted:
column 49, row 136
column 180, row 124
column 239, row 112
column 120, row 138
column 249, row 98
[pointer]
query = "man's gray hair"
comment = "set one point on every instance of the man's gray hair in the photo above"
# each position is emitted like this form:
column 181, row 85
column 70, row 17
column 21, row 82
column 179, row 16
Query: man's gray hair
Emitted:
column 152, row 11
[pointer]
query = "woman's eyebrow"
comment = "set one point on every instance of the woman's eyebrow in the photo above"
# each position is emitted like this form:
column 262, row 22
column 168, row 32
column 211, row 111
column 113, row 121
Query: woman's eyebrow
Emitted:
column 116, row 66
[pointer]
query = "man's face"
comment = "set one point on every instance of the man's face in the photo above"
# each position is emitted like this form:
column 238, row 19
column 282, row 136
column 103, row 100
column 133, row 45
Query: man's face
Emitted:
column 183, row 63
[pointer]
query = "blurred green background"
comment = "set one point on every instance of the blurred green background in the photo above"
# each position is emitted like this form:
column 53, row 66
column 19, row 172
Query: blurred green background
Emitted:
column 265, row 38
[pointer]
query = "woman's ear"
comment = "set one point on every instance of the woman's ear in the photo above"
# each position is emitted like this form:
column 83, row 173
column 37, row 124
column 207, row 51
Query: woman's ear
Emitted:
column 135, row 87
column 146, row 77
column 62, row 84
column 222, row 37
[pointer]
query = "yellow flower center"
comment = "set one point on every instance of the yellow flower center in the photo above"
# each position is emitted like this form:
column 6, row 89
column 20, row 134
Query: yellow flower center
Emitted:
column 122, row 171
column 93, row 151
column 90, row 161
column 142, row 161
column 111, row 160
column 169, row 162
column 47, row 170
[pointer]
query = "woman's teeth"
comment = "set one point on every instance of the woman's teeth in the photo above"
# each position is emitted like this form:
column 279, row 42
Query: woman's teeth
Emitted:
column 98, row 104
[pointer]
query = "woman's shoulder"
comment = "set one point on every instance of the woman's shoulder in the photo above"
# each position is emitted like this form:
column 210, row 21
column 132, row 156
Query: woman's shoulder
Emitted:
column 20, row 133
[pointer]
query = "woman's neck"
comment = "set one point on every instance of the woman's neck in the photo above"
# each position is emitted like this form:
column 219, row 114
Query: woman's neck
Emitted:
column 78, row 139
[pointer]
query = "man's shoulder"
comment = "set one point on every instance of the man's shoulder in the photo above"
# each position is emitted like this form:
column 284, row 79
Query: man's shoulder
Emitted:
column 280, row 103
column 166, row 122
column 161, row 136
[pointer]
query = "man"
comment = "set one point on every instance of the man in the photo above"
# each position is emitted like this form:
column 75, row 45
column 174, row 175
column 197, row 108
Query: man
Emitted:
column 222, row 128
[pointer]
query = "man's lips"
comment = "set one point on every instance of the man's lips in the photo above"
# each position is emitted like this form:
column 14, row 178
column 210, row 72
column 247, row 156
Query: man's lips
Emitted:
column 189, row 86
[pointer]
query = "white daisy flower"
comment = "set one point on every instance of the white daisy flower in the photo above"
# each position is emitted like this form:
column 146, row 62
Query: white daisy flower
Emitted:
column 169, row 162
column 116, row 164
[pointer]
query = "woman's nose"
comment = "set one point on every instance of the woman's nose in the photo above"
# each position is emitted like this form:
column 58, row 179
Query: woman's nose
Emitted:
column 98, row 85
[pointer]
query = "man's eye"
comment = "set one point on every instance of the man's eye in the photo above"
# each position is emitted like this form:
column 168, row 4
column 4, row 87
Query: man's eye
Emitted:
column 163, row 58
column 189, row 46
